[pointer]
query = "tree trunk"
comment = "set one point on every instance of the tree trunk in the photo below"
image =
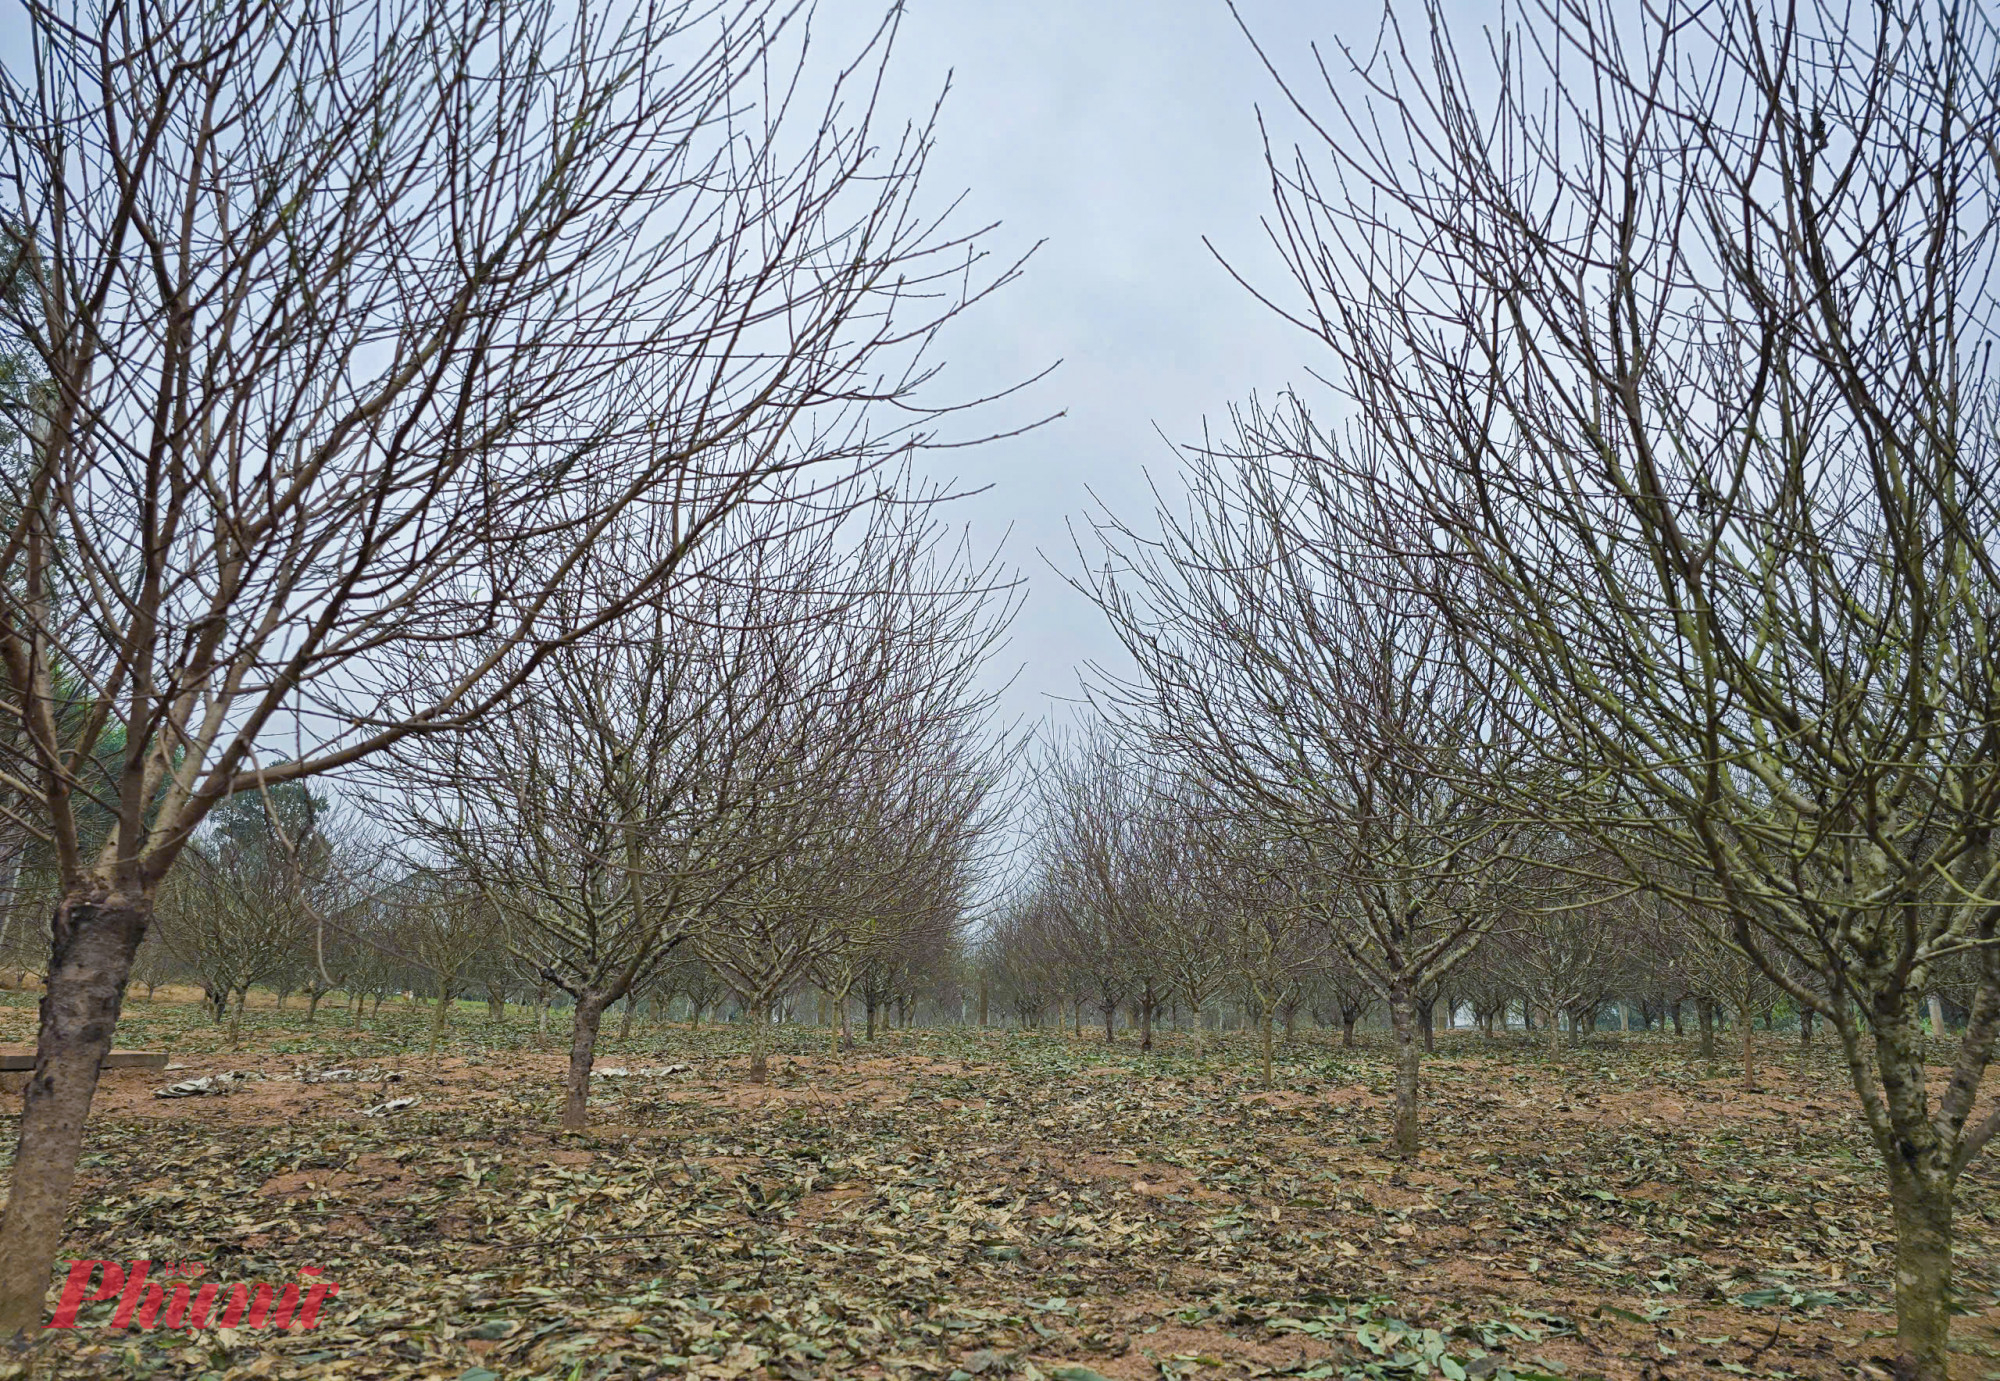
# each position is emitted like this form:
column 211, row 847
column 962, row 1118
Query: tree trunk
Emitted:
column 1674, row 1011
column 93, row 941
column 313, row 997
column 582, row 1053
column 1704, row 1015
column 1146, row 1018
column 1110, row 1011
column 1426, row 1017
column 496, row 1003
column 236, row 1018
column 869, row 1005
column 440, row 1015
column 1937, row 1018
column 1749, row 1055
column 625, row 1022
column 1805, row 1031
column 1403, row 1020
column 1923, row 1277
column 1264, row 1026
column 1347, row 1020
column 760, row 1037
column 836, row 1018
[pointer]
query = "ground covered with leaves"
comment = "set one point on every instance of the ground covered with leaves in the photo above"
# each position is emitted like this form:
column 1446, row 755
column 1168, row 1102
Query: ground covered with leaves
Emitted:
column 990, row 1205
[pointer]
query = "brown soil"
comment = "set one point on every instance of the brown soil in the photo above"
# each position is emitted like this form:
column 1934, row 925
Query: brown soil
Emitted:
column 1375, row 1226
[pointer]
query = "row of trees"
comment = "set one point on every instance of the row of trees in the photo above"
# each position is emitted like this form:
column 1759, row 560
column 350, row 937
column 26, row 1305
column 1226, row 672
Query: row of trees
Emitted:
column 776, row 775
column 507, row 421
column 1144, row 900
column 1635, row 553
column 339, row 926
column 506, row 405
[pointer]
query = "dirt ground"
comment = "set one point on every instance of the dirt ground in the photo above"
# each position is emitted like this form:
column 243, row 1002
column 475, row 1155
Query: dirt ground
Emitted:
column 975, row 1205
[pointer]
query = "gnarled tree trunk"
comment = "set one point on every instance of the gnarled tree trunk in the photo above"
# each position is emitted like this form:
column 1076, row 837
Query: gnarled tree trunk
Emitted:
column 1403, row 1020
column 95, row 937
column 1749, row 1028
column 760, row 1041
column 582, row 1054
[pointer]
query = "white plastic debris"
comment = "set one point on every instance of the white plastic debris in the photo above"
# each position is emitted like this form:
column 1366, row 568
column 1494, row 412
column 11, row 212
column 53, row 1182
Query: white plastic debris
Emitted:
column 393, row 1105
column 348, row 1076
column 206, row 1084
column 643, row 1072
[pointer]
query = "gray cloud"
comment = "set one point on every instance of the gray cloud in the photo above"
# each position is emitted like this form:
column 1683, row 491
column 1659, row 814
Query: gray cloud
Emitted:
column 1123, row 133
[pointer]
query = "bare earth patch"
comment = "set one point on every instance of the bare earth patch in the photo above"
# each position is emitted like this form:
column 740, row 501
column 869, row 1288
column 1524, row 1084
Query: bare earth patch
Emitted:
column 999, row 1205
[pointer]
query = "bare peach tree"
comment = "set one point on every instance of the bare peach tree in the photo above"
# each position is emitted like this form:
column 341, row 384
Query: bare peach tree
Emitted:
column 872, row 772
column 593, row 814
column 1269, row 929
column 359, row 323
column 1332, row 716
column 1093, row 801
column 1184, row 889
column 629, row 787
column 1672, row 334
column 915, row 863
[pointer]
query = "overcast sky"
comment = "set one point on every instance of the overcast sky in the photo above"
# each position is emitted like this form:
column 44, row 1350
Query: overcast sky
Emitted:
column 1121, row 132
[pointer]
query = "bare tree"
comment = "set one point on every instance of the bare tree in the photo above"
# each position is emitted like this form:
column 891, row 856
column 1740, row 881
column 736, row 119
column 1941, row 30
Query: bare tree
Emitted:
column 689, row 977
column 1186, row 893
column 1337, row 989
column 1283, row 662
column 912, row 876
column 1026, row 965
column 597, row 813
column 896, row 963
column 360, row 325
column 262, row 875
column 1564, row 943
column 1092, row 810
column 1722, row 977
column 442, row 925
column 1675, row 342
column 1270, row 939
column 871, row 771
